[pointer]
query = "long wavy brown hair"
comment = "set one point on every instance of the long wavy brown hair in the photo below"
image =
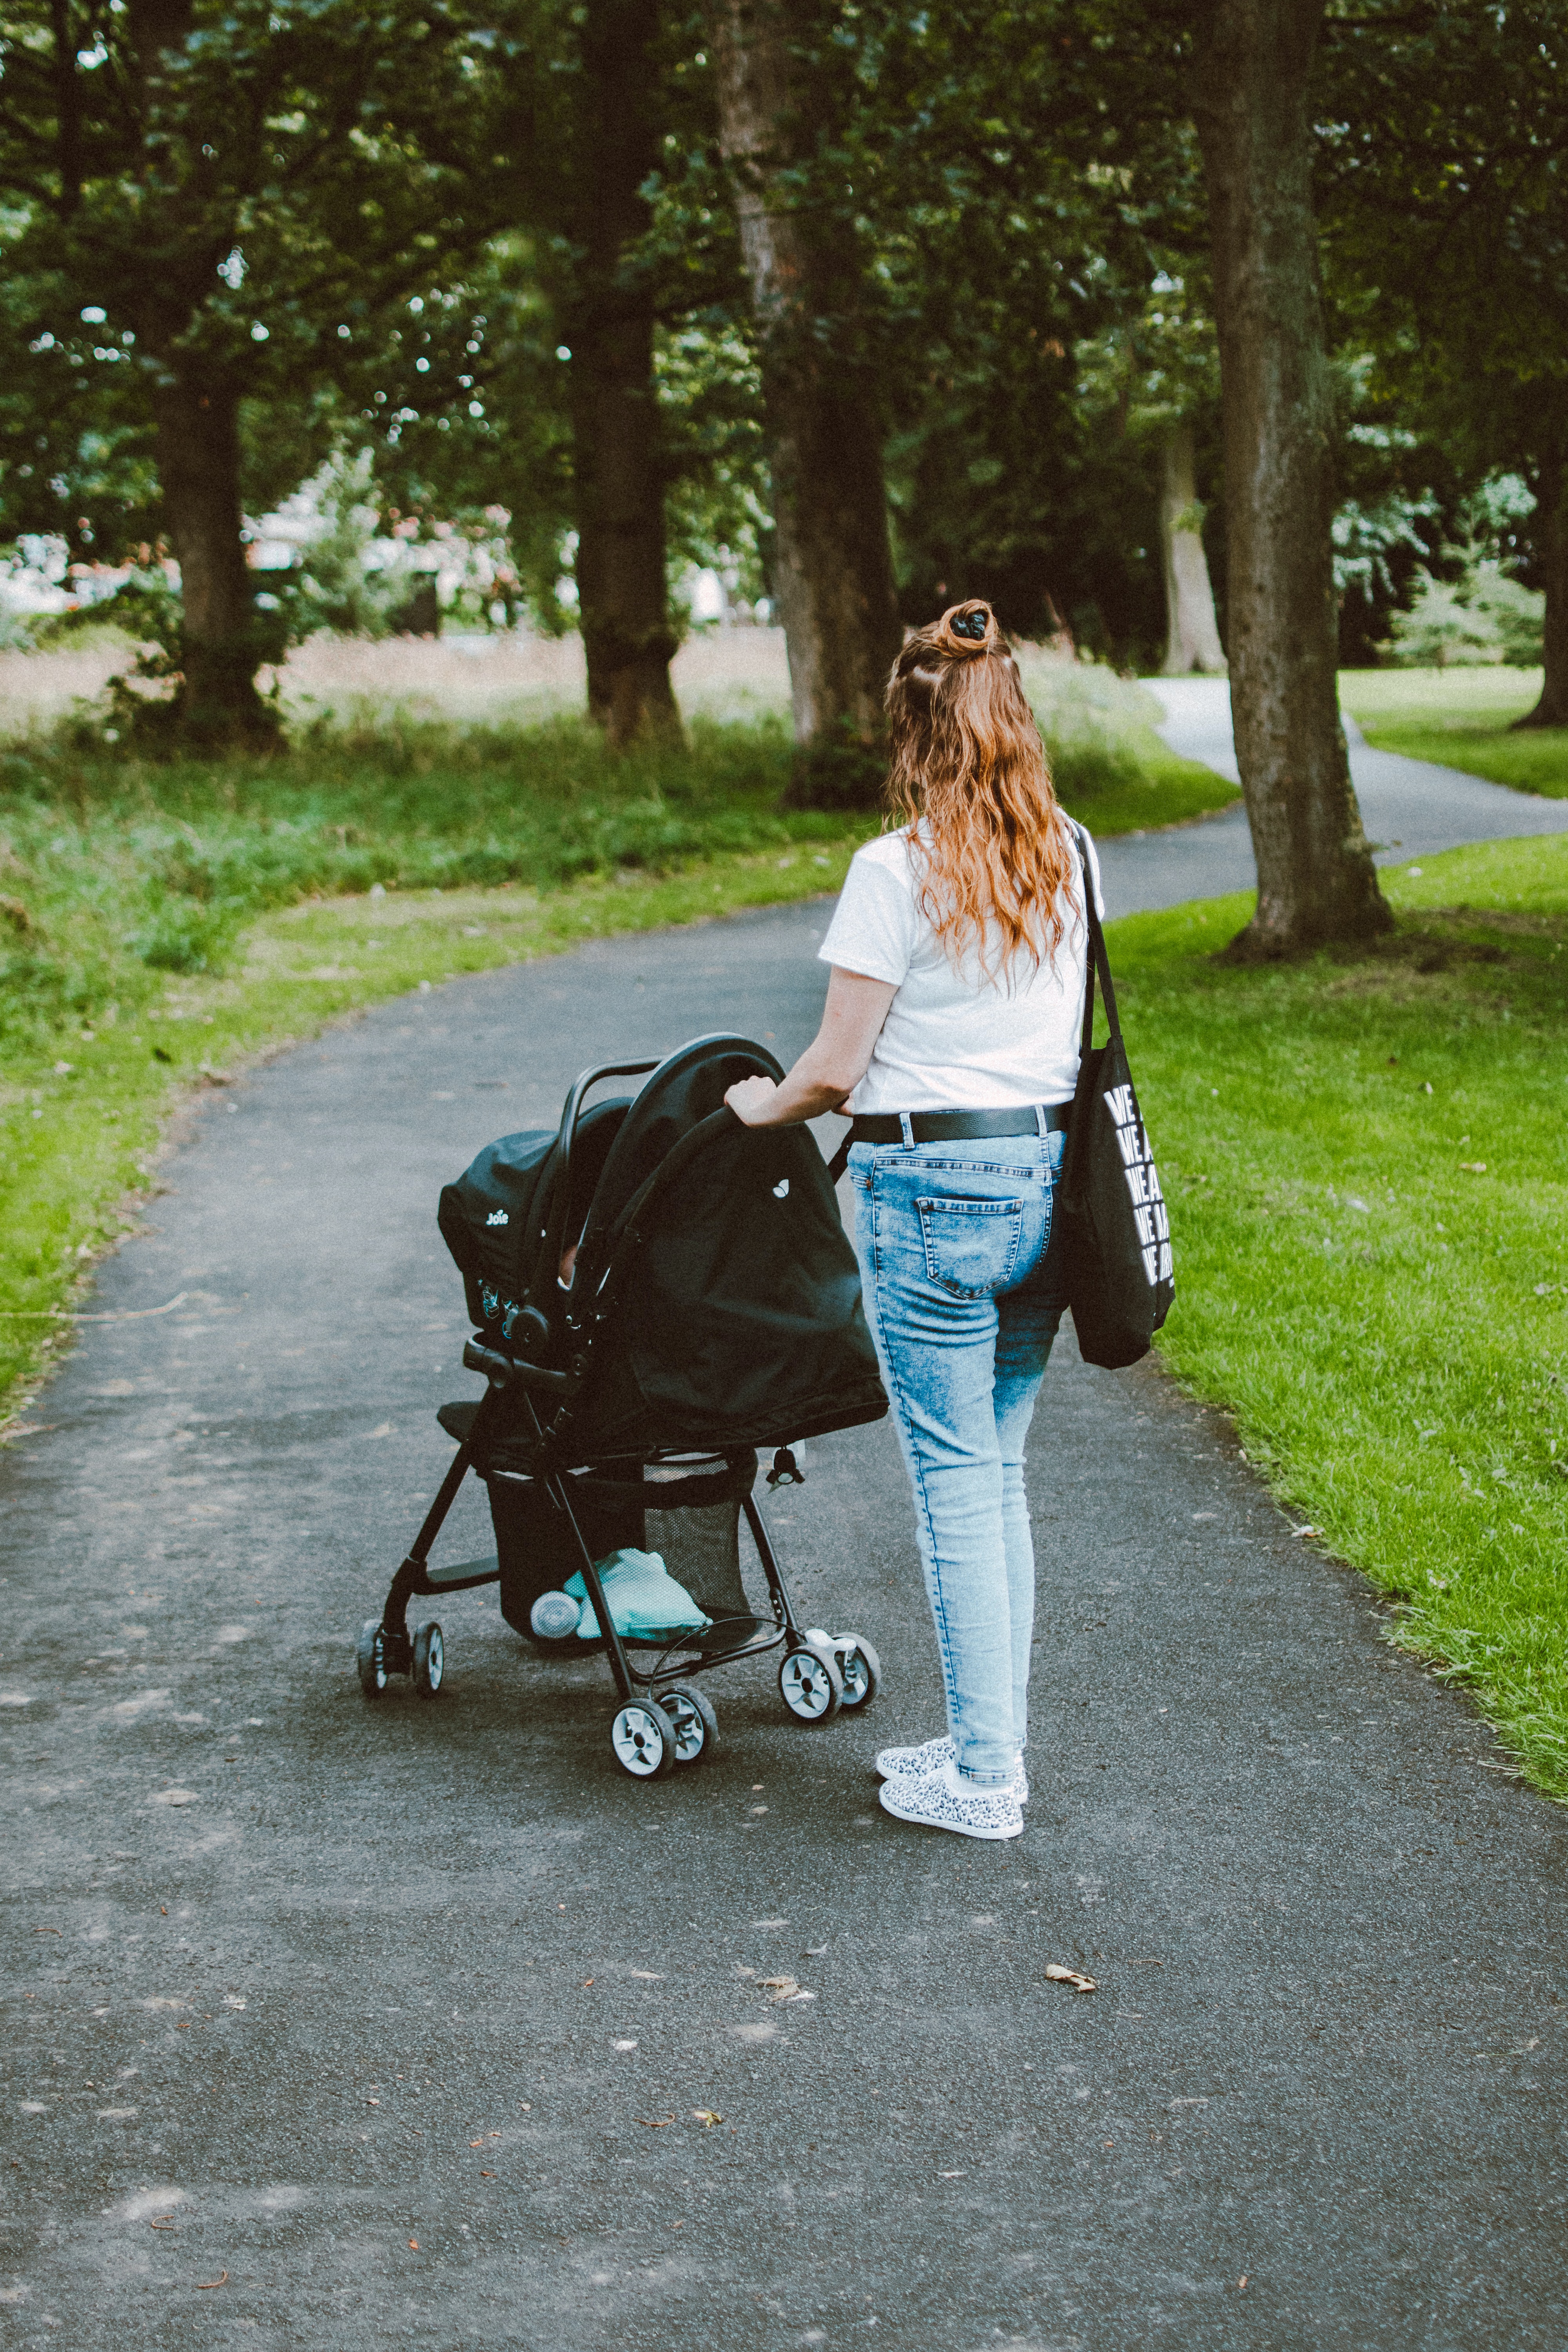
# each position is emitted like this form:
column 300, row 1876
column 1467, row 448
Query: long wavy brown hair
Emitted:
column 968, row 759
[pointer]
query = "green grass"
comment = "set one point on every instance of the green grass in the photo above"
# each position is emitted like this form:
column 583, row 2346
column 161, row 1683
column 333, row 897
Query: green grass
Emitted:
column 1367, row 1160
column 1461, row 718
column 157, row 920
column 1387, row 1321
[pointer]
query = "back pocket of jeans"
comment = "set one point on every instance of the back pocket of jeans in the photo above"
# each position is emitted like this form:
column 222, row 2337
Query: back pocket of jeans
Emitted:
column 971, row 1246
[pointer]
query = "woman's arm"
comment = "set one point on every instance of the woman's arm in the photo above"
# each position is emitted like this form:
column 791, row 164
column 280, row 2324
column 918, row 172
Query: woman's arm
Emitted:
column 832, row 1065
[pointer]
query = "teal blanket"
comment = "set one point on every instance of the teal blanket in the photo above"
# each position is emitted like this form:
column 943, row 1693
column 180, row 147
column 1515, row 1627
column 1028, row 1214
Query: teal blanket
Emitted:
column 644, row 1600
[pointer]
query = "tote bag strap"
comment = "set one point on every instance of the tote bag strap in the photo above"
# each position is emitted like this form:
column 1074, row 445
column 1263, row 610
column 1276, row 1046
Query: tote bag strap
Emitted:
column 1097, row 959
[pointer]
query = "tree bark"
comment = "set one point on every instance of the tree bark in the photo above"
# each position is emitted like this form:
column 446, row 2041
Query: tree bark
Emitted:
column 618, row 461
column 1551, row 710
column 833, row 570
column 1316, row 880
column 196, row 413
column 1192, row 632
column 197, row 428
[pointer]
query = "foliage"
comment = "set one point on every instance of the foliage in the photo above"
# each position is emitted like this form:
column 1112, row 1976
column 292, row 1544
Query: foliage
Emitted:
column 1485, row 617
column 1484, row 613
column 1443, row 199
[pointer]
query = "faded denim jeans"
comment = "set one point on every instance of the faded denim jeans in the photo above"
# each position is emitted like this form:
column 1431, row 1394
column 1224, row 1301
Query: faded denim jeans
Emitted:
column 964, row 1303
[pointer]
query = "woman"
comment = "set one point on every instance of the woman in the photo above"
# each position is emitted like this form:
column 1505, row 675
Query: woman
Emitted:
column 951, row 1033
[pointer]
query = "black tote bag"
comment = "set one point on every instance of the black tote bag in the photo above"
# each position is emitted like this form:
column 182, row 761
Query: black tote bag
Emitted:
column 1111, row 1213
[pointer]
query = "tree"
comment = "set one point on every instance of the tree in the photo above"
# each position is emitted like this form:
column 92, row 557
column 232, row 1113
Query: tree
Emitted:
column 218, row 187
column 833, row 570
column 608, row 305
column 1250, row 77
column 1156, row 373
column 1446, row 198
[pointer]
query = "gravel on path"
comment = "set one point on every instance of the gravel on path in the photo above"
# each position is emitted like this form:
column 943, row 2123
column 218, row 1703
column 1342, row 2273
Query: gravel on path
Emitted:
column 1411, row 808
column 340, row 2026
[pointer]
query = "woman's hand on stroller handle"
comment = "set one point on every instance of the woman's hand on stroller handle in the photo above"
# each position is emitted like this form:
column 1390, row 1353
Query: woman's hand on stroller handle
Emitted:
column 832, row 1065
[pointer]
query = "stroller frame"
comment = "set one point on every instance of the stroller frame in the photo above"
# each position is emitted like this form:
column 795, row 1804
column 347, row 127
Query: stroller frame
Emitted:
column 661, row 1720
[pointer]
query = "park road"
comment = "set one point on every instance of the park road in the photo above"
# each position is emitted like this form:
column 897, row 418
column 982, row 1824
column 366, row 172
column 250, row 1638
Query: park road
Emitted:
column 343, row 2026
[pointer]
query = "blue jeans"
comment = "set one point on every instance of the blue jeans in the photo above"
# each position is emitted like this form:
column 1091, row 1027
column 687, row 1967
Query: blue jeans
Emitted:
column 964, row 1300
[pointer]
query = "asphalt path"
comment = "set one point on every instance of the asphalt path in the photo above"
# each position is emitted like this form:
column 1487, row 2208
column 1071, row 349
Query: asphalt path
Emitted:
column 335, row 2025
column 1411, row 808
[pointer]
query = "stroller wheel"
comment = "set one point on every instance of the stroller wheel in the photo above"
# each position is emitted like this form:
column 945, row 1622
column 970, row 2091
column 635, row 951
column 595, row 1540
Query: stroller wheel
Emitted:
column 861, row 1669
column 370, row 1656
column 643, row 1737
column 429, row 1660
column 811, row 1684
column 696, row 1724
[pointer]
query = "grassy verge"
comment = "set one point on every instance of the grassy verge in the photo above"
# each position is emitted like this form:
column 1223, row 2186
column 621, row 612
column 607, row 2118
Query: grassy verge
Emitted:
column 1462, row 718
column 1367, row 1156
column 1367, row 1160
column 81, row 1115
column 158, row 920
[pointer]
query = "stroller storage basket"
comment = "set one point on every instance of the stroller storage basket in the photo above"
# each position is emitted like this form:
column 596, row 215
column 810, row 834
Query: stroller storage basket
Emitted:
column 657, row 1291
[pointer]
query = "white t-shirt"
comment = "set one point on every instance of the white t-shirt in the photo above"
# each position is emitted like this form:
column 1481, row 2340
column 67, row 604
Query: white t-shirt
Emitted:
column 953, row 1040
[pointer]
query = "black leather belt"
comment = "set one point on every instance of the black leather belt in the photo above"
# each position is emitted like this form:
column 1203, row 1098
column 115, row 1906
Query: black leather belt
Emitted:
column 956, row 1125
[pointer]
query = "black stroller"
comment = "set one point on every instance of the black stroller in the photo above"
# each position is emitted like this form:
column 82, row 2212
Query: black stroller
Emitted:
column 657, row 1291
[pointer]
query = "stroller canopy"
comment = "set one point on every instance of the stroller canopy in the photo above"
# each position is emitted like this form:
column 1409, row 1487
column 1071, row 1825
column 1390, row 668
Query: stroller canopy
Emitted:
column 716, row 1302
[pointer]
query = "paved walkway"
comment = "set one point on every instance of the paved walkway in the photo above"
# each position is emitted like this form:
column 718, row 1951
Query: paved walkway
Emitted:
column 1410, row 808
column 337, row 2027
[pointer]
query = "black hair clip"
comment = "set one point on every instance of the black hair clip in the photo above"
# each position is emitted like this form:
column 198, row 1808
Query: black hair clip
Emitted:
column 972, row 625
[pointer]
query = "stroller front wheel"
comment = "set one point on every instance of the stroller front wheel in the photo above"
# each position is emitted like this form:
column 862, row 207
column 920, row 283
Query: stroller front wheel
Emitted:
column 861, row 1669
column 429, row 1660
column 370, row 1657
column 643, row 1739
column 811, row 1684
column 696, row 1723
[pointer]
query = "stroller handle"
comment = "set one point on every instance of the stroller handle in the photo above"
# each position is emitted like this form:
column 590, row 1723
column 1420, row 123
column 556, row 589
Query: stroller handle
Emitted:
column 572, row 1112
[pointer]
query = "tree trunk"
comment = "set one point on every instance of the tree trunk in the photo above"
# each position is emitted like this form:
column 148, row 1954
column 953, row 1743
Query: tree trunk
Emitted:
column 1316, row 881
column 832, row 565
column 1551, row 710
column 1192, row 632
column 199, row 465
column 622, row 593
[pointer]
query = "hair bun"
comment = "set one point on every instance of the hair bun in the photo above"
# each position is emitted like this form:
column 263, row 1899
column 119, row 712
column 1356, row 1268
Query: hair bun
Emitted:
column 968, row 629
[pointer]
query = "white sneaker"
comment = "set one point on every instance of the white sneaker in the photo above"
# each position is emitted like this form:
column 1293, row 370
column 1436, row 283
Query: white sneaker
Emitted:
column 893, row 1762
column 941, row 1799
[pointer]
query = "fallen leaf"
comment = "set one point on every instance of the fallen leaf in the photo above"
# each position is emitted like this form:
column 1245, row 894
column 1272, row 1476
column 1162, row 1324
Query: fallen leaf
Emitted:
column 1074, row 1977
column 707, row 2118
column 586, row 1982
column 487, row 2176
column 205, row 2286
column 476, row 2143
column 655, row 2122
column 414, row 2245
